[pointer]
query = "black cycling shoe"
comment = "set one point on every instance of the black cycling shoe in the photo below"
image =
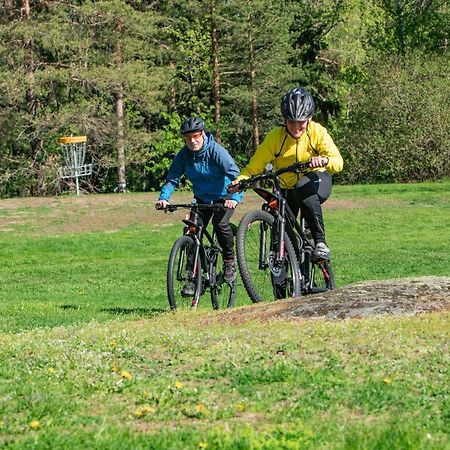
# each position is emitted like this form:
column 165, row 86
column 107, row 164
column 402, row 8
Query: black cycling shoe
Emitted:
column 188, row 289
column 229, row 270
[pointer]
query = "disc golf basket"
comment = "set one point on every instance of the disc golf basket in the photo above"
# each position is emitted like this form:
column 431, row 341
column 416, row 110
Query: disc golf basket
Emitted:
column 73, row 149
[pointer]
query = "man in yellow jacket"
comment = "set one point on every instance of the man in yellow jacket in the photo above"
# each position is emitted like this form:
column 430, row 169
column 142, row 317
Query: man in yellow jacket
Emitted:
column 300, row 140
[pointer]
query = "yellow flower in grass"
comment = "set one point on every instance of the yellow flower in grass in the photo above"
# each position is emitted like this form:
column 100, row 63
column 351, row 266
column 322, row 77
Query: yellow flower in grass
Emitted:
column 240, row 407
column 179, row 385
column 114, row 369
column 387, row 380
column 200, row 408
column 143, row 411
column 51, row 370
column 35, row 425
column 113, row 344
column 202, row 445
column 126, row 375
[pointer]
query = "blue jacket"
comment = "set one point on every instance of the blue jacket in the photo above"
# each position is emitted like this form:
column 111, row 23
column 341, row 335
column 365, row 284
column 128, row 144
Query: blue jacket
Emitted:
column 210, row 171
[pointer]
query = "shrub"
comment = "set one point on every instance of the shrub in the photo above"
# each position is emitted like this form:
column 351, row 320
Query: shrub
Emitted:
column 398, row 125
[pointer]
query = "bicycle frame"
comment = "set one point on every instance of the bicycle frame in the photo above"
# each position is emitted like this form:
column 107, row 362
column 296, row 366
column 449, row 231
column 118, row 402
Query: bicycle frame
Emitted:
column 276, row 204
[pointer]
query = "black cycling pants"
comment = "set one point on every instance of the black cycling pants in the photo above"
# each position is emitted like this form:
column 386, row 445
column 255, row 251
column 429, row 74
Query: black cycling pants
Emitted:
column 309, row 193
column 221, row 224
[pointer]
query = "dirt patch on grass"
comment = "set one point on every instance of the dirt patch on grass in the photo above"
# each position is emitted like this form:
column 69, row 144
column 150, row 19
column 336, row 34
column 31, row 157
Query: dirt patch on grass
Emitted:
column 108, row 212
column 401, row 297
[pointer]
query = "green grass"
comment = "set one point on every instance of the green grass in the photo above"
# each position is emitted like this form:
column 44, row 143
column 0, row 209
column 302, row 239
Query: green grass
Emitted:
column 91, row 358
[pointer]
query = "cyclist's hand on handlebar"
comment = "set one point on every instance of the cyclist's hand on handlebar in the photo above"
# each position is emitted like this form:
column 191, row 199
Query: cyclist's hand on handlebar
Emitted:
column 318, row 161
column 231, row 204
column 233, row 187
column 161, row 204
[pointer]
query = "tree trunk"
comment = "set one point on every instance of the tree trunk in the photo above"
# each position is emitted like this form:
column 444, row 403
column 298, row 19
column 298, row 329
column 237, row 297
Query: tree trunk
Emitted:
column 121, row 187
column 401, row 27
column 120, row 141
column 215, row 67
column 25, row 9
column 252, row 70
column 32, row 103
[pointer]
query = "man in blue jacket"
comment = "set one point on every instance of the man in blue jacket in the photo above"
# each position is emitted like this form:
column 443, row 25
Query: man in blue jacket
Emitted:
column 210, row 168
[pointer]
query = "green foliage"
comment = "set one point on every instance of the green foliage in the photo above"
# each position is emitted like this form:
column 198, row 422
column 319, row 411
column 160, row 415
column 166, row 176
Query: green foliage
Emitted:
column 62, row 67
column 409, row 25
column 402, row 133
column 163, row 148
column 192, row 77
column 72, row 61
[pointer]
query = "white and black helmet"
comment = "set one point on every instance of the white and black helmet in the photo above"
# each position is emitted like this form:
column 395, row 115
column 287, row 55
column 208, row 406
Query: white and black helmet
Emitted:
column 297, row 104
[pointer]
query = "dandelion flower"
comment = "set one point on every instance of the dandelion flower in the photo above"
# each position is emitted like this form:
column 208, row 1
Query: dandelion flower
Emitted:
column 240, row 407
column 51, row 370
column 35, row 424
column 126, row 375
column 200, row 407
column 387, row 380
column 202, row 445
column 143, row 410
column 179, row 385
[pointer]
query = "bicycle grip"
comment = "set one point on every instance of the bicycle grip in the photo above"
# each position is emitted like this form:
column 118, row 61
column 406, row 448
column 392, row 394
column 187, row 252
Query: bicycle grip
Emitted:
column 233, row 188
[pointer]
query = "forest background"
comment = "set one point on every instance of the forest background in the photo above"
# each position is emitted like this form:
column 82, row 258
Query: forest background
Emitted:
column 125, row 73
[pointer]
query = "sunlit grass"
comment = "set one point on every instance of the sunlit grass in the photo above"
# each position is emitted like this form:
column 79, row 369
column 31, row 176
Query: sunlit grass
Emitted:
column 47, row 280
column 90, row 356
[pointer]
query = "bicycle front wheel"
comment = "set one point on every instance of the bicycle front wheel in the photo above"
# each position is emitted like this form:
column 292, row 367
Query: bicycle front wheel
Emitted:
column 184, row 281
column 223, row 293
column 319, row 276
column 261, row 278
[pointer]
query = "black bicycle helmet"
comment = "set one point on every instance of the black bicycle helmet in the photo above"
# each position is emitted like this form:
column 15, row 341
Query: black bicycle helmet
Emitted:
column 297, row 104
column 191, row 125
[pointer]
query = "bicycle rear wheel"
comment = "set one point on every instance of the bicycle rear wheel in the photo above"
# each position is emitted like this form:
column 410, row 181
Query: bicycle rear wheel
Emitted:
column 262, row 280
column 184, row 281
column 223, row 294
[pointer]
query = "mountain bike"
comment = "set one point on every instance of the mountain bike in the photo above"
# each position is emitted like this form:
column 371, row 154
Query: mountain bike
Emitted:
column 275, row 252
column 195, row 265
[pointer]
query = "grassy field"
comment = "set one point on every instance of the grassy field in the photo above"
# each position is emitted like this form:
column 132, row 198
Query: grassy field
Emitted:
column 90, row 357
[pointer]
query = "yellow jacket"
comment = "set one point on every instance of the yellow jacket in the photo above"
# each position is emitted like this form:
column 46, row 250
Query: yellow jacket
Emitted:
column 281, row 149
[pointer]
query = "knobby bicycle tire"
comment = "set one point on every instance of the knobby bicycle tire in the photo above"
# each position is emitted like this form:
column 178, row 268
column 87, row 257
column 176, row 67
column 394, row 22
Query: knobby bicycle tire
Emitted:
column 318, row 275
column 322, row 278
column 223, row 294
column 258, row 278
column 178, row 274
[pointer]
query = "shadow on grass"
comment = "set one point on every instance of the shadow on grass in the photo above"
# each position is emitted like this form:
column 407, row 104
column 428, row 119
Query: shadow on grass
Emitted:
column 146, row 312
column 67, row 306
column 143, row 312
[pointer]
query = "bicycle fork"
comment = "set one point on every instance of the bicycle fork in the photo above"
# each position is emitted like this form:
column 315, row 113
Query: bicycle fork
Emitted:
column 281, row 227
column 196, row 271
column 211, row 254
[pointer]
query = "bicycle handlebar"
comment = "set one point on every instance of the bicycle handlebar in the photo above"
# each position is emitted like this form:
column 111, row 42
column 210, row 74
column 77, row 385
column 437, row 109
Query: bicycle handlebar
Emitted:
column 171, row 207
column 298, row 167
